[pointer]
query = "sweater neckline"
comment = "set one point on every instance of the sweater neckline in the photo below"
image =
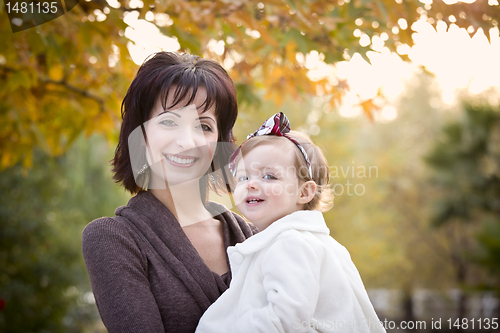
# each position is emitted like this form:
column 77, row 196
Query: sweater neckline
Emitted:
column 162, row 230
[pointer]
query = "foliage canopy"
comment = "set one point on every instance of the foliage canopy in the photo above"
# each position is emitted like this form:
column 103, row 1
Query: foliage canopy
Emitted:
column 69, row 75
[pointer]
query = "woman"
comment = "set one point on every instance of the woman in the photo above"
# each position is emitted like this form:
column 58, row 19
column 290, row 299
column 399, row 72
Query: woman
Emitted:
column 161, row 261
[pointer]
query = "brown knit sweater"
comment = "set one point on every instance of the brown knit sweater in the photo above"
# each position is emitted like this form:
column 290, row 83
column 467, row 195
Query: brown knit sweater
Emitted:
column 145, row 273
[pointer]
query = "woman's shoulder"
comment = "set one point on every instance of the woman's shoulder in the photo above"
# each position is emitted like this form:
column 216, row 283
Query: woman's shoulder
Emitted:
column 112, row 231
column 103, row 226
column 110, row 239
column 111, row 226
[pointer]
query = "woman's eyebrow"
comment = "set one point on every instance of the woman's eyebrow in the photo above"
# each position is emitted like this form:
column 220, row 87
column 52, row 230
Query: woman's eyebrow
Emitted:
column 175, row 114
column 207, row 117
column 172, row 111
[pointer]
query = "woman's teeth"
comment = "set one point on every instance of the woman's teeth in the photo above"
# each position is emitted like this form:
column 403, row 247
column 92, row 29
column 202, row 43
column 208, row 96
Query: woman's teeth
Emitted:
column 180, row 160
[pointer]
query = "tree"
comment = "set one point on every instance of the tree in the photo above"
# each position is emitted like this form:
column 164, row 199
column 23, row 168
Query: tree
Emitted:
column 386, row 226
column 466, row 164
column 68, row 76
column 43, row 281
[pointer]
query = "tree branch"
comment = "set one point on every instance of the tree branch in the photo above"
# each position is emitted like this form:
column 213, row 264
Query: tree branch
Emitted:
column 77, row 90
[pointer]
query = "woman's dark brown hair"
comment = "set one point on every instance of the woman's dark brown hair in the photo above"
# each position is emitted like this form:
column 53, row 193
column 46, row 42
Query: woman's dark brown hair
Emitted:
column 181, row 74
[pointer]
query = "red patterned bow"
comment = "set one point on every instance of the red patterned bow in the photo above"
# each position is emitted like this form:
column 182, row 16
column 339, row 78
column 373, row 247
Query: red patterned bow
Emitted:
column 276, row 125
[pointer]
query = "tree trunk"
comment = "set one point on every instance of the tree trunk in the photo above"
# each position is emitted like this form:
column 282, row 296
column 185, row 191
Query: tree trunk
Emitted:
column 462, row 300
column 408, row 306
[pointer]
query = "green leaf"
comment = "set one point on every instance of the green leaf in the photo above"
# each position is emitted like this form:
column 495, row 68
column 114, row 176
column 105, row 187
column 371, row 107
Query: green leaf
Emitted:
column 186, row 40
column 246, row 95
column 19, row 79
column 303, row 43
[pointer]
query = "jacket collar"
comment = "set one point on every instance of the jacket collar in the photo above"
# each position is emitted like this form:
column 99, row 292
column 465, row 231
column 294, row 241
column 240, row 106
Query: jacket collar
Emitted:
column 303, row 220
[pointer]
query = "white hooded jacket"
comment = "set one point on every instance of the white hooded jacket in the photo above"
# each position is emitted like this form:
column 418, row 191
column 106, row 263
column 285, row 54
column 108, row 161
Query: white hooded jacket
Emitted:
column 292, row 277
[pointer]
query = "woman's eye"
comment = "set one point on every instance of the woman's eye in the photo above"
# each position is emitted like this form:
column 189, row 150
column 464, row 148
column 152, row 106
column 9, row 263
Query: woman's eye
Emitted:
column 205, row 128
column 269, row 177
column 168, row 122
column 242, row 178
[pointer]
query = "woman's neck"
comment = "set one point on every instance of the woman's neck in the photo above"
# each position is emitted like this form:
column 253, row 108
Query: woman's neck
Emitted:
column 184, row 201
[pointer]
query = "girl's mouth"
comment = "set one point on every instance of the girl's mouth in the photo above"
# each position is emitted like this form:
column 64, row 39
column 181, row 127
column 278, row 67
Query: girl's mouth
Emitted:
column 182, row 161
column 253, row 201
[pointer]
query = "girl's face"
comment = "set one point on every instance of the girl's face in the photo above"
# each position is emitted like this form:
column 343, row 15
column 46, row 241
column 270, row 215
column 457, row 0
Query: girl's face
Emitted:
column 267, row 187
column 181, row 140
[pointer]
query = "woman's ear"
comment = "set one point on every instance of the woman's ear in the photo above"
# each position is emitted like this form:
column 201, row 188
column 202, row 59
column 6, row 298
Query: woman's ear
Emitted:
column 306, row 192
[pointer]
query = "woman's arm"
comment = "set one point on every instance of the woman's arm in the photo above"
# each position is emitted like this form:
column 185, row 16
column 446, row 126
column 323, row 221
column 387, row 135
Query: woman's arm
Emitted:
column 291, row 269
column 118, row 274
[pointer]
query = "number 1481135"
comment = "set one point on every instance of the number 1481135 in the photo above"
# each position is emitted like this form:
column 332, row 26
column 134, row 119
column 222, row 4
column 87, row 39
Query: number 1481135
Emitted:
column 481, row 323
column 31, row 7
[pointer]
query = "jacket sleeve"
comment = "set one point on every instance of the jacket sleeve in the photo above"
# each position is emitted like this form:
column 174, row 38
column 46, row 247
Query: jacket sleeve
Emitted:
column 291, row 270
column 118, row 274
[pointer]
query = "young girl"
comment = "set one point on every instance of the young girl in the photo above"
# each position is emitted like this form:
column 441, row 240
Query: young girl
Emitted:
column 292, row 276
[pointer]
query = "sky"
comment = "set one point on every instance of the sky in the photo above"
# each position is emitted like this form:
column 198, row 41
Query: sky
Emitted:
column 458, row 61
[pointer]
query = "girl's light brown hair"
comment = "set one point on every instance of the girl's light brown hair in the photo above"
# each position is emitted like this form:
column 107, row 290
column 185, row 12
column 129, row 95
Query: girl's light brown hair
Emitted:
column 323, row 198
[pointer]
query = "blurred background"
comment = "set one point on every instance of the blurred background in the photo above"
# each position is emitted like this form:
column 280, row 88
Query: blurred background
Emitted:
column 404, row 97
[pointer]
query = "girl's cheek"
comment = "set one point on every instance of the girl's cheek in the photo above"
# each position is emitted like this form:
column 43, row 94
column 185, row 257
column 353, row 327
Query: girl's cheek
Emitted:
column 274, row 190
column 239, row 193
column 291, row 190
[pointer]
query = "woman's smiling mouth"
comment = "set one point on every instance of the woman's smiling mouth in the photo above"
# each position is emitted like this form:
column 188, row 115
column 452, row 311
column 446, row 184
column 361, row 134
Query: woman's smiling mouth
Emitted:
column 184, row 161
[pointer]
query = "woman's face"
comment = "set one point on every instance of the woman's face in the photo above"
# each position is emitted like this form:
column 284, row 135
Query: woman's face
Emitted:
column 181, row 140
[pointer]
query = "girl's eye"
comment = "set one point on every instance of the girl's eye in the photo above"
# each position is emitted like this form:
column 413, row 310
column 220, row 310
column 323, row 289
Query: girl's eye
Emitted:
column 242, row 178
column 168, row 122
column 269, row 177
column 205, row 128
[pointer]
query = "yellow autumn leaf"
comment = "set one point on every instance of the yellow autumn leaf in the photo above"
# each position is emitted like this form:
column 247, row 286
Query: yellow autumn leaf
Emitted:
column 369, row 107
column 291, row 51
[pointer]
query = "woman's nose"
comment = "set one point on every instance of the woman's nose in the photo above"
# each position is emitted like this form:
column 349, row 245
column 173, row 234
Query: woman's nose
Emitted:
column 188, row 139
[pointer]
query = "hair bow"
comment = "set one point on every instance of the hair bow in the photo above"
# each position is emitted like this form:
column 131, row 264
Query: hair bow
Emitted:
column 278, row 125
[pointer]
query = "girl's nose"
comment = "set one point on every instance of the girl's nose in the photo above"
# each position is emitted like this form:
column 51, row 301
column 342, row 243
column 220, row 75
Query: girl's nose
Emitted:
column 252, row 184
